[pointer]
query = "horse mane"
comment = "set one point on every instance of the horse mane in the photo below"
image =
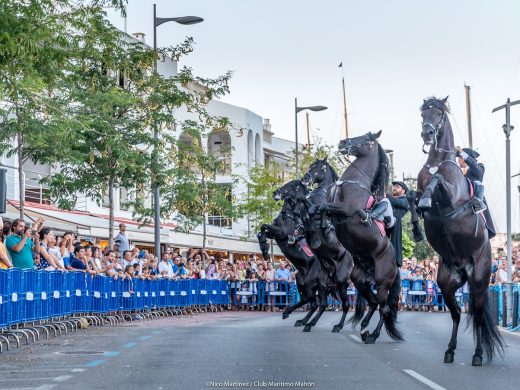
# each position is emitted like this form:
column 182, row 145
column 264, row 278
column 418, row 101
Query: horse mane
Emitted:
column 437, row 103
column 334, row 174
column 380, row 182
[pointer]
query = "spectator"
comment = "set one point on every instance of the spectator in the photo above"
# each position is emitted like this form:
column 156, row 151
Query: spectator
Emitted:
column 427, row 270
column 211, row 269
column 122, row 240
column 270, row 281
column 5, row 261
column 20, row 245
column 405, row 272
column 165, row 269
column 127, row 259
column 47, row 261
column 183, row 271
column 501, row 275
column 283, row 275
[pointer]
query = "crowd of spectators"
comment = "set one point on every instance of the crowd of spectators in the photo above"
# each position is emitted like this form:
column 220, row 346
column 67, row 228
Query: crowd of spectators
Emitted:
column 37, row 247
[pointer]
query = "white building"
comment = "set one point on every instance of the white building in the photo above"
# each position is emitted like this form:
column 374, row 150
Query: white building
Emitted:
column 255, row 144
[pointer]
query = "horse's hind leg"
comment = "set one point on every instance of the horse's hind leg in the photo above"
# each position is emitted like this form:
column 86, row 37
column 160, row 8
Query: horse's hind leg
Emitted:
column 449, row 284
column 366, row 292
column 311, row 293
column 289, row 309
column 322, row 306
column 342, row 290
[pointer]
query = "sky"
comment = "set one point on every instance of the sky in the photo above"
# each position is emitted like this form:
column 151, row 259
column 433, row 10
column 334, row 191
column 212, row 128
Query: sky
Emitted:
column 394, row 54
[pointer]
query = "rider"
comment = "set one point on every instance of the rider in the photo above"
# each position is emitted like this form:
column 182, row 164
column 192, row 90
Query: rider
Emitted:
column 474, row 171
column 392, row 216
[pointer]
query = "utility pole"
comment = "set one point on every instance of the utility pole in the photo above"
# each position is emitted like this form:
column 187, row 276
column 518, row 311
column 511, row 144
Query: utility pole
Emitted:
column 468, row 114
column 507, row 130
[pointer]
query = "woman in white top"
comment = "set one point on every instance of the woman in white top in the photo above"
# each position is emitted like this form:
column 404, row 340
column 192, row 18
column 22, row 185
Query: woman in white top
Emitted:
column 270, row 276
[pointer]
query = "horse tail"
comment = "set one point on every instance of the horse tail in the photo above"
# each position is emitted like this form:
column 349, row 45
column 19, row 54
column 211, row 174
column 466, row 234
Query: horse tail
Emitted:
column 491, row 338
column 361, row 305
column 393, row 305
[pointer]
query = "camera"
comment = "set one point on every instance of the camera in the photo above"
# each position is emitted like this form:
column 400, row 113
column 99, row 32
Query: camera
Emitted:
column 33, row 232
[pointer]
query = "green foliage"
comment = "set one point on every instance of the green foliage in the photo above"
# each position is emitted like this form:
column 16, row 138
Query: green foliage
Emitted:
column 257, row 203
column 320, row 150
column 408, row 245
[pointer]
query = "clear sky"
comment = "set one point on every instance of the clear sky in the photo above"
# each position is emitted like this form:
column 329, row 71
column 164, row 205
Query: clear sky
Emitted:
column 394, row 54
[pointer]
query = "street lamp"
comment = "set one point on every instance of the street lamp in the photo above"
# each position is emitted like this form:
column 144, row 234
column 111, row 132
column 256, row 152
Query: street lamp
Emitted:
column 186, row 20
column 296, row 111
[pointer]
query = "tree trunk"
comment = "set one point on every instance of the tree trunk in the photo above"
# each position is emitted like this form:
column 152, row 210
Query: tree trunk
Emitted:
column 21, row 181
column 204, row 203
column 111, row 212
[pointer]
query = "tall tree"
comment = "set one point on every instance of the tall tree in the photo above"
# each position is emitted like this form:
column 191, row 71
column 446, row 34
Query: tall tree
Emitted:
column 257, row 204
column 37, row 45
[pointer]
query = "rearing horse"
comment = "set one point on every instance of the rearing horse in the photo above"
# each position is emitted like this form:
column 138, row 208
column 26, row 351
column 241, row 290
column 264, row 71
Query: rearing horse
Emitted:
column 458, row 234
column 364, row 181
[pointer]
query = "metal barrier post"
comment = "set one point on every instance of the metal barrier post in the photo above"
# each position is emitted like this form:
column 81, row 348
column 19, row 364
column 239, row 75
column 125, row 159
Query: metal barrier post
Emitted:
column 515, row 309
column 504, row 309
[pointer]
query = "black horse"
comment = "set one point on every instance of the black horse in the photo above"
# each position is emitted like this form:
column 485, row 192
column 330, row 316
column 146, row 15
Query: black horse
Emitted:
column 364, row 181
column 458, row 234
column 319, row 231
column 285, row 231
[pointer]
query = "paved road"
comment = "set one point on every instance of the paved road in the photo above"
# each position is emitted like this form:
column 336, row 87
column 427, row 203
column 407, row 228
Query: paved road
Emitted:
column 254, row 349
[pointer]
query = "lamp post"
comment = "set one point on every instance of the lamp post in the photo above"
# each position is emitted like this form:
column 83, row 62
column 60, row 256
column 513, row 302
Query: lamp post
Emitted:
column 186, row 20
column 507, row 131
column 296, row 111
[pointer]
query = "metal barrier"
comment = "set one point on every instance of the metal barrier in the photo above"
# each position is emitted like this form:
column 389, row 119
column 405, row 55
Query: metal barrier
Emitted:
column 498, row 302
column 40, row 300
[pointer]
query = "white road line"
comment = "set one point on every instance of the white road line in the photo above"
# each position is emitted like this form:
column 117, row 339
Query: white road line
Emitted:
column 509, row 332
column 42, row 387
column 424, row 380
column 61, row 378
column 45, row 370
column 353, row 337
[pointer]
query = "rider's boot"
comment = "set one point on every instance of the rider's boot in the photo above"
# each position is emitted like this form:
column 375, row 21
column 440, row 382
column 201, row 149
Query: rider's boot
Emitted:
column 377, row 211
column 478, row 199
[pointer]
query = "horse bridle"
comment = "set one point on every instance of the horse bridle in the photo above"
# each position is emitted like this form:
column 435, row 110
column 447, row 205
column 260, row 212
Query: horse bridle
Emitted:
column 349, row 148
column 311, row 178
column 436, row 130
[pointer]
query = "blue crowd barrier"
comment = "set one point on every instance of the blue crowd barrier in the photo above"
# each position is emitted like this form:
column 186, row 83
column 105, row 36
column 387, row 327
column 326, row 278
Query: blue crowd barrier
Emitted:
column 34, row 295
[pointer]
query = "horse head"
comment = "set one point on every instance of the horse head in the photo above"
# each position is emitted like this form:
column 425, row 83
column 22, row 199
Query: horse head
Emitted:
column 359, row 146
column 290, row 191
column 434, row 116
column 317, row 172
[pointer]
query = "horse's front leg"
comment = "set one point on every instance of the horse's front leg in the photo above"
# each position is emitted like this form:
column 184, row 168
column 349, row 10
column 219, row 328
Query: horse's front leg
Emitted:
column 425, row 202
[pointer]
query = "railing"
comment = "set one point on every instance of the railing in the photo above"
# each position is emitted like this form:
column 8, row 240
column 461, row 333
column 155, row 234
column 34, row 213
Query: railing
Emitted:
column 29, row 295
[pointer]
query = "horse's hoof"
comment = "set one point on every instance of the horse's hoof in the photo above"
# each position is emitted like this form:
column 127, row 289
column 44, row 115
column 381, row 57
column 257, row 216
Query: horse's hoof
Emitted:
column 285, row 316
column 298, row 324
column 364, row 336
column 425, row 203
column 307, row 328
column 449, row 357
column 477, row 360
column 370, row 339
column 336, row 329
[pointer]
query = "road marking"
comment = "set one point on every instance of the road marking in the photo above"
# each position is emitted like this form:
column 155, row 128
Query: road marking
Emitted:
column 42, row 387
column 353, row 337
column 111, row 353
column 509, row 332
column 45, row 370
column 424, row 380
column 61, row 378
column 129, row 345
column 94, row 363
column 145, row 337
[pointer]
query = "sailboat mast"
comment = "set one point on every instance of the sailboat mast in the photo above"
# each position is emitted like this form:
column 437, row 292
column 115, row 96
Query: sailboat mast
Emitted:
column 345, row 106
column 468, row 115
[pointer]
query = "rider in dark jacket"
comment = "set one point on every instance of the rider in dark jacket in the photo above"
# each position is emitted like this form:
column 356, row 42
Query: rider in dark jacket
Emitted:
column 474, row 171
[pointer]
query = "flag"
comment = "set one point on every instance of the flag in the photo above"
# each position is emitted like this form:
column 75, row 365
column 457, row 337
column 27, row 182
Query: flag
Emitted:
column 340, row 65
